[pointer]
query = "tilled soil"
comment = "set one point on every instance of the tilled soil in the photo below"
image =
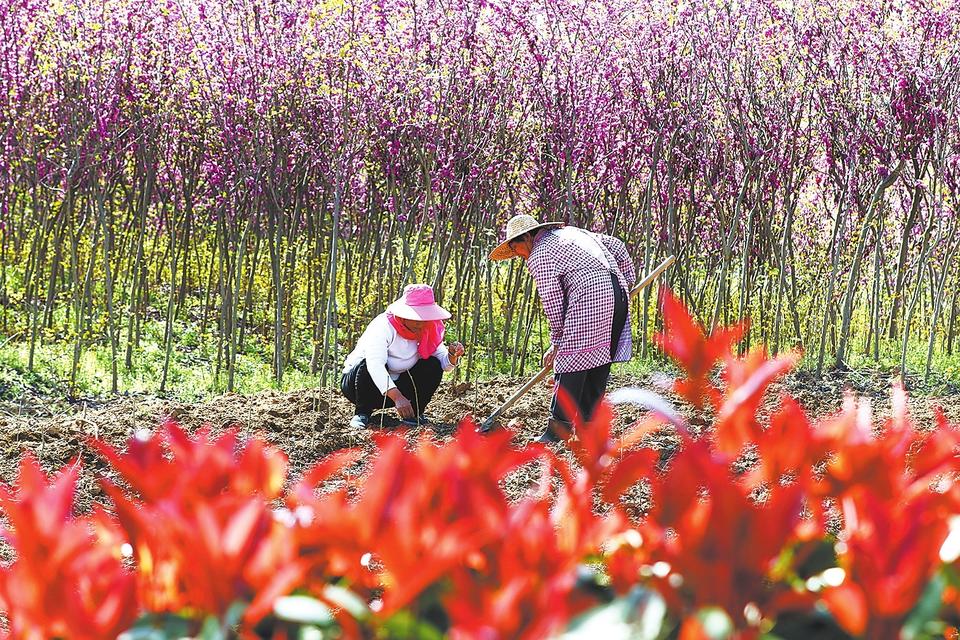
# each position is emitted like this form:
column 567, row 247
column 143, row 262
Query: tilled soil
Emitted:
column 311, row 423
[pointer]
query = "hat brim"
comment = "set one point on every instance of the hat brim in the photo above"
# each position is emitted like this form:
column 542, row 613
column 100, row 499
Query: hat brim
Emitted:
column 503, row 251
column 419, row 312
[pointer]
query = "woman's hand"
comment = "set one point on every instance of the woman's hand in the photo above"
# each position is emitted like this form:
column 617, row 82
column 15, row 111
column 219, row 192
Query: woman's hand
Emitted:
column 455, row 351
column 547, row 361
column 549, row 356
column 404, row 408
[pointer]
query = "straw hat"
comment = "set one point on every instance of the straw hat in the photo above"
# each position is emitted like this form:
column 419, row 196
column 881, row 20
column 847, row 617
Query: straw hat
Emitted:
column 516, row 227
column 418, row 303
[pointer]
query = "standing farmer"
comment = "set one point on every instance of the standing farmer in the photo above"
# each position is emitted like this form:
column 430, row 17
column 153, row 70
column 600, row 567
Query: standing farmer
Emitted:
column 400, row 359
column 582, row 279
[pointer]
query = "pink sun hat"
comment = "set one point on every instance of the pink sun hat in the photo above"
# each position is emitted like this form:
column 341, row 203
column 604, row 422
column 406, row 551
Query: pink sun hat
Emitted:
column 418, row 303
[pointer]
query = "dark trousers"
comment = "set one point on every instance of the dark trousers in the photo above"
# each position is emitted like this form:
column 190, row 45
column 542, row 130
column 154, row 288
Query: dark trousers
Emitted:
column 586, row 388
column 417, row 385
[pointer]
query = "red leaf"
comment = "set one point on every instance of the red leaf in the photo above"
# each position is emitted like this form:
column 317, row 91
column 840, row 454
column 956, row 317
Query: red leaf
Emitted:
column 628, row 470
column 748, row 379
column 849, row 606
column 684, row 341
column 330, row 466
column 282, row 583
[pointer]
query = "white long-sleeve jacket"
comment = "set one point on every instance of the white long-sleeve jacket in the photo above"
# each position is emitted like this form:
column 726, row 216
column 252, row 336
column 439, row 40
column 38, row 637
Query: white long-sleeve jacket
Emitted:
column 388, row 354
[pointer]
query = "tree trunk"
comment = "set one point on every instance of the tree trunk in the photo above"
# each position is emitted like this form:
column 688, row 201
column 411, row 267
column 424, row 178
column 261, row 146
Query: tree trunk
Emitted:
column 854, row 277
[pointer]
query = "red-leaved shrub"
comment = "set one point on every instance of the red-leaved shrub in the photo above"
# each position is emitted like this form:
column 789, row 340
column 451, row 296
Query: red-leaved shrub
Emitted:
column 204, row 536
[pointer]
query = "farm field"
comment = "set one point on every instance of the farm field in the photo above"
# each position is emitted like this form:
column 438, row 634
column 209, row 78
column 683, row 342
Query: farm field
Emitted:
column 312, row 423
column 747, row 210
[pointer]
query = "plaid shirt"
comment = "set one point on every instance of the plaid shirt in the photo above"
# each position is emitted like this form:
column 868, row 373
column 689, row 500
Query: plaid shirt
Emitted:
column 573, row 281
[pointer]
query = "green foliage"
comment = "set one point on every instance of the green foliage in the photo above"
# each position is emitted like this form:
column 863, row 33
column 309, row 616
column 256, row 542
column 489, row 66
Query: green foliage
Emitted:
column 158, row 627
column 405, row 625
column 303, row 610
column 641, row 614
column 192, row 372
column 924, row 621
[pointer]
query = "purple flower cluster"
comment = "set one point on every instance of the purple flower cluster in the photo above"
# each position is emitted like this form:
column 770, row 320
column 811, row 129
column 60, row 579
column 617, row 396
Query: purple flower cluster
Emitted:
column 735, row 138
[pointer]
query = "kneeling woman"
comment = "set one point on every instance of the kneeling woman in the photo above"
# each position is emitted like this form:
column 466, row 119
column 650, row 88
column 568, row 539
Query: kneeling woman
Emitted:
column 400, row 359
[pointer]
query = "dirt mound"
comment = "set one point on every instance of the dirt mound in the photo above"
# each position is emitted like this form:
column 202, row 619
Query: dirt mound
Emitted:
column 309, row 424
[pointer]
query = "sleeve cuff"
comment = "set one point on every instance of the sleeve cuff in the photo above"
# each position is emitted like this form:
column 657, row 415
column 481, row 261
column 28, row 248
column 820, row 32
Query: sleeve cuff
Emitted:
column 445, row 363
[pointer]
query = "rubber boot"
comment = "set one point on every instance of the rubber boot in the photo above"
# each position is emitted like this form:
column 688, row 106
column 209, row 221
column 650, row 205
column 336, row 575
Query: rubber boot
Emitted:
column 557, row 431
